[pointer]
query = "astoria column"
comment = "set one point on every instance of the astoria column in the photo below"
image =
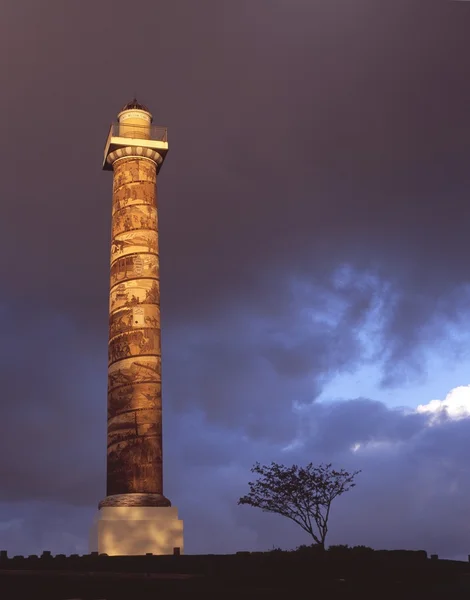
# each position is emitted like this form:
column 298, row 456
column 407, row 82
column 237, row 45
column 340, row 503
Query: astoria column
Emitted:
column 135, row 151
column 135, row 517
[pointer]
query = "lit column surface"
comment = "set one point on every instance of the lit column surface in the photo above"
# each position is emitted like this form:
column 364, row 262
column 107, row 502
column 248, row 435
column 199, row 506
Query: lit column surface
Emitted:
column 134, row 372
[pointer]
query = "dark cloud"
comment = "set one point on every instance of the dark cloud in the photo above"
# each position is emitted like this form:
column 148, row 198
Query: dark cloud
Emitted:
column 313, row 212
column 246, row 371
column 53, row 415
column 338, row 427
column 410, row 493
column 302, row 135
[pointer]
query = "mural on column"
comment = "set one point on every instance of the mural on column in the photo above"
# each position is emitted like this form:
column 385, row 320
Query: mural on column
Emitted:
column 134, row 351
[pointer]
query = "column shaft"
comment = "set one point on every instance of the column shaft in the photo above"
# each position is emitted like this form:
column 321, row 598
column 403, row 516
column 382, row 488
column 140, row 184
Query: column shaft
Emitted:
column 134, row 456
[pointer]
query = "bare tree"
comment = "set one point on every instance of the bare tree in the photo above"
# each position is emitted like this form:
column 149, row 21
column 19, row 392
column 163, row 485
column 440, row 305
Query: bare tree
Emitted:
column 302, row 494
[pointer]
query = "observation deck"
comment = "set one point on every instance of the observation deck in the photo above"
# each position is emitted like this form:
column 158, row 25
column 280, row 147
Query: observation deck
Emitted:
column 125, row 134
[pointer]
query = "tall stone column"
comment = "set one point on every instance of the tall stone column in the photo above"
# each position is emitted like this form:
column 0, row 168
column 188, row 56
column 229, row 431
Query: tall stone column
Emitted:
column 134, row 462
column 135, row 517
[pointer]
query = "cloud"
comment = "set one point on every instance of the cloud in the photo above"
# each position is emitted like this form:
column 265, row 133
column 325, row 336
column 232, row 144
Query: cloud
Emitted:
column 456, row 405
column 313, row 141
column 52, row 440
column 246, row 371
column 32, row 527
column 409, row 494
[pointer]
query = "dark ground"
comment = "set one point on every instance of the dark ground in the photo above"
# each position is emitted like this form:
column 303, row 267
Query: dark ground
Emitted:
column 244, row 575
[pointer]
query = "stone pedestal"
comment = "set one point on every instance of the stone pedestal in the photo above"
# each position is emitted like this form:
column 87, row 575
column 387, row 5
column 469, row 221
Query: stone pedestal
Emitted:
column 136, row 530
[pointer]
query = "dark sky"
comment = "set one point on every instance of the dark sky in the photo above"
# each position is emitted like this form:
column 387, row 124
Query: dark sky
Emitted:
column 314, row 214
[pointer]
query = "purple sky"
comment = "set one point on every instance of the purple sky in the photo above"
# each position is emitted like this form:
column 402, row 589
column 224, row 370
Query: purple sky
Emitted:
column 314, row 214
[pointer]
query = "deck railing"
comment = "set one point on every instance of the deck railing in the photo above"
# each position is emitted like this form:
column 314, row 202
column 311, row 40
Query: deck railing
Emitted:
column 139, row 132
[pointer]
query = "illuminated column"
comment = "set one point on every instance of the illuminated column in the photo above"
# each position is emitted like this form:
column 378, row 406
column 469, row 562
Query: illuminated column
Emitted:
column 134, row 470
column 135, row 504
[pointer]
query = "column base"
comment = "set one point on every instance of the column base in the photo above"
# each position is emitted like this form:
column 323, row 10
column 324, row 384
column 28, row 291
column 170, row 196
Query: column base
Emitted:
column 135, row 500
column 136, row 530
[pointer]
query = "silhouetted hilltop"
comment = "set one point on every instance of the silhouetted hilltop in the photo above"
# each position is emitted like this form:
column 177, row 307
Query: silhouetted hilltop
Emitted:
column 339, row 572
